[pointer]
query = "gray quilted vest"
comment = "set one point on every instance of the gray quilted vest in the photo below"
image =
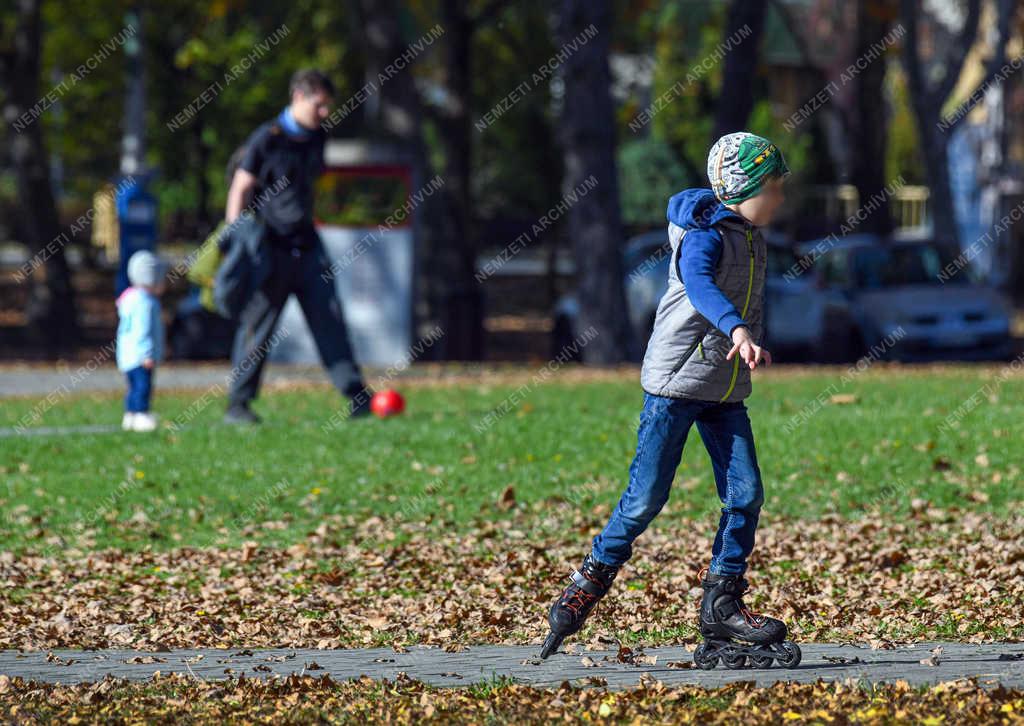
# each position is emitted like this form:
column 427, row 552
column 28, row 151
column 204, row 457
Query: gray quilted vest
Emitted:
column 686, row 354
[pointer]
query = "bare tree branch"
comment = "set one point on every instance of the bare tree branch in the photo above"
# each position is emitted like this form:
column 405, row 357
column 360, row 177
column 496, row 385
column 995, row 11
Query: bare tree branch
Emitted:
column 1005, row 9
column 911, row 59
column 958, row 54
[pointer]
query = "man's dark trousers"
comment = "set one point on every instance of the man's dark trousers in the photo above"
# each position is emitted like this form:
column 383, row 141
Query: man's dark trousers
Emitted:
column 304, row 271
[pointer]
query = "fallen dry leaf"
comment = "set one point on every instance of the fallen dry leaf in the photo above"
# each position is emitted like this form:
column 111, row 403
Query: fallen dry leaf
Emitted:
column 507, row 499
column 842, row 398
column 906, row 578
column 173, row 698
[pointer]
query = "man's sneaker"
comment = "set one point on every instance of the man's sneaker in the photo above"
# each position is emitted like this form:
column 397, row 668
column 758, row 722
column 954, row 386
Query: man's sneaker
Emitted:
column 128, row 421
column 359, row 405
column 144, row 421
column 239, row 413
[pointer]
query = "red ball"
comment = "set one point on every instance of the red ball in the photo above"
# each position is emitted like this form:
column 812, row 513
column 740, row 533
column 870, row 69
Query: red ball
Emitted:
column 387, row 403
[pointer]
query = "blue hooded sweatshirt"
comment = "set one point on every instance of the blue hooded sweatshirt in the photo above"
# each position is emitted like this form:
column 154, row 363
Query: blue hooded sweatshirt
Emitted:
column 697, row 211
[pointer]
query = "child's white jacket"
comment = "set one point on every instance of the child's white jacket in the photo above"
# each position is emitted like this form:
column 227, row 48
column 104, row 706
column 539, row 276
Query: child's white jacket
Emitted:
column 140, row 331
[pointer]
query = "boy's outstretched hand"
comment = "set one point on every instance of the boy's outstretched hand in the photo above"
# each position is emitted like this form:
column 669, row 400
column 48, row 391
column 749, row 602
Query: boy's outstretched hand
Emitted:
column 749, row 352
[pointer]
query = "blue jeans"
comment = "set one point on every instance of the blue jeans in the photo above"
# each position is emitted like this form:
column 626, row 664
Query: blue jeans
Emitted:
column 140, row 387
column 729, row 440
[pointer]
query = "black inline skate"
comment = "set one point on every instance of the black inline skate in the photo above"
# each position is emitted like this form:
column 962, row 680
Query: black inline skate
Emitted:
column 734, row 634
column 587, row 585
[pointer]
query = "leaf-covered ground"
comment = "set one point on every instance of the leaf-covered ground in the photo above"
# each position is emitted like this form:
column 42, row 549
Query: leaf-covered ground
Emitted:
column 892, row 514
column 937, row 575
column 174, row 699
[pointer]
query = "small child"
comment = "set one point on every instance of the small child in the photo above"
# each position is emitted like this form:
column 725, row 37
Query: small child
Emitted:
column 140, row 337
column 705, row 342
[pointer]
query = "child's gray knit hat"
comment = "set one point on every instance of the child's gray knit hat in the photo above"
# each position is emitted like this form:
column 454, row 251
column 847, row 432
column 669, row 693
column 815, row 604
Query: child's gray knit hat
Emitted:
column 145, row 268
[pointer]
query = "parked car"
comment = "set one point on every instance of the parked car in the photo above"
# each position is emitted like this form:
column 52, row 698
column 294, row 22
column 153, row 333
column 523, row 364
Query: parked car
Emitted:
column 897, row 299
column 646, row 258
column 793, row 305
column 645, row 266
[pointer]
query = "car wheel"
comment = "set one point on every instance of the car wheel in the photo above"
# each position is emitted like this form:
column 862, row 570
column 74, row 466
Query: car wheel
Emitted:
column 645, row 336
column 842, row 342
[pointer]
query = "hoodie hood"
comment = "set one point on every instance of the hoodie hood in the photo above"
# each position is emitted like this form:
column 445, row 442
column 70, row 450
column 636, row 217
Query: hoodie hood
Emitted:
column 129, row 292
column 125, row 294
column 698, row 209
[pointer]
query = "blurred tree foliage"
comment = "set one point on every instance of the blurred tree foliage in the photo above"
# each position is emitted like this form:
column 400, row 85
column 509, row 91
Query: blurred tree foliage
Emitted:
column 686, row 33
column 904, row 156
column 190, row 48
column 517, row 168
column 649, row 174
column 517, row 164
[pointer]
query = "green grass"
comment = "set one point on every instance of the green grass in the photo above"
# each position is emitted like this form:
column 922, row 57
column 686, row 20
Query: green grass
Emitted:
column 561, row 445
column 490, row 688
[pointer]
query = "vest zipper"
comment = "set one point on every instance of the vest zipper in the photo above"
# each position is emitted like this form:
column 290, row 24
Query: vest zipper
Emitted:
column 682, row 361
column 746, row 304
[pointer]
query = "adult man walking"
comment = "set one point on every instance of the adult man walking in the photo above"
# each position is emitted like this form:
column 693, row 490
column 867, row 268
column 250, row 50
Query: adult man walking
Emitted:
column 281, row 161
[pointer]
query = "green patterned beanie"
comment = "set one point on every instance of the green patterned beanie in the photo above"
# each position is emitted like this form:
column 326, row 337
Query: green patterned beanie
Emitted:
column 740, row 163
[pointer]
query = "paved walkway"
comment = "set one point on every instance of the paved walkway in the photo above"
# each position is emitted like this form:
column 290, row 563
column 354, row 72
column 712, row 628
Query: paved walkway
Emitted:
column 991, row 664
column 42, row 380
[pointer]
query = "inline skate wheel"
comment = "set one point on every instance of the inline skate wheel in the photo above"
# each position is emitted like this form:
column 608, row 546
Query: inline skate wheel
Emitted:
column 792, row 654
column 735, row 661
column 761, row 661
column 704, row 657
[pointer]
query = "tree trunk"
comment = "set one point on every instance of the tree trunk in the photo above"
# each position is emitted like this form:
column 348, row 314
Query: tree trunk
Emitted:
column 936, row 159
column 202, row 182
column 594, row 223
column 736, row 99
column 869, row 124
column 936, row 162
column 446, row 288
column 50, row 311
column 463, row 303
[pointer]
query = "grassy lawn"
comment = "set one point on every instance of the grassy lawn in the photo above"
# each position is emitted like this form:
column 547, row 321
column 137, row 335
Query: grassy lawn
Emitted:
column 878, row 447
